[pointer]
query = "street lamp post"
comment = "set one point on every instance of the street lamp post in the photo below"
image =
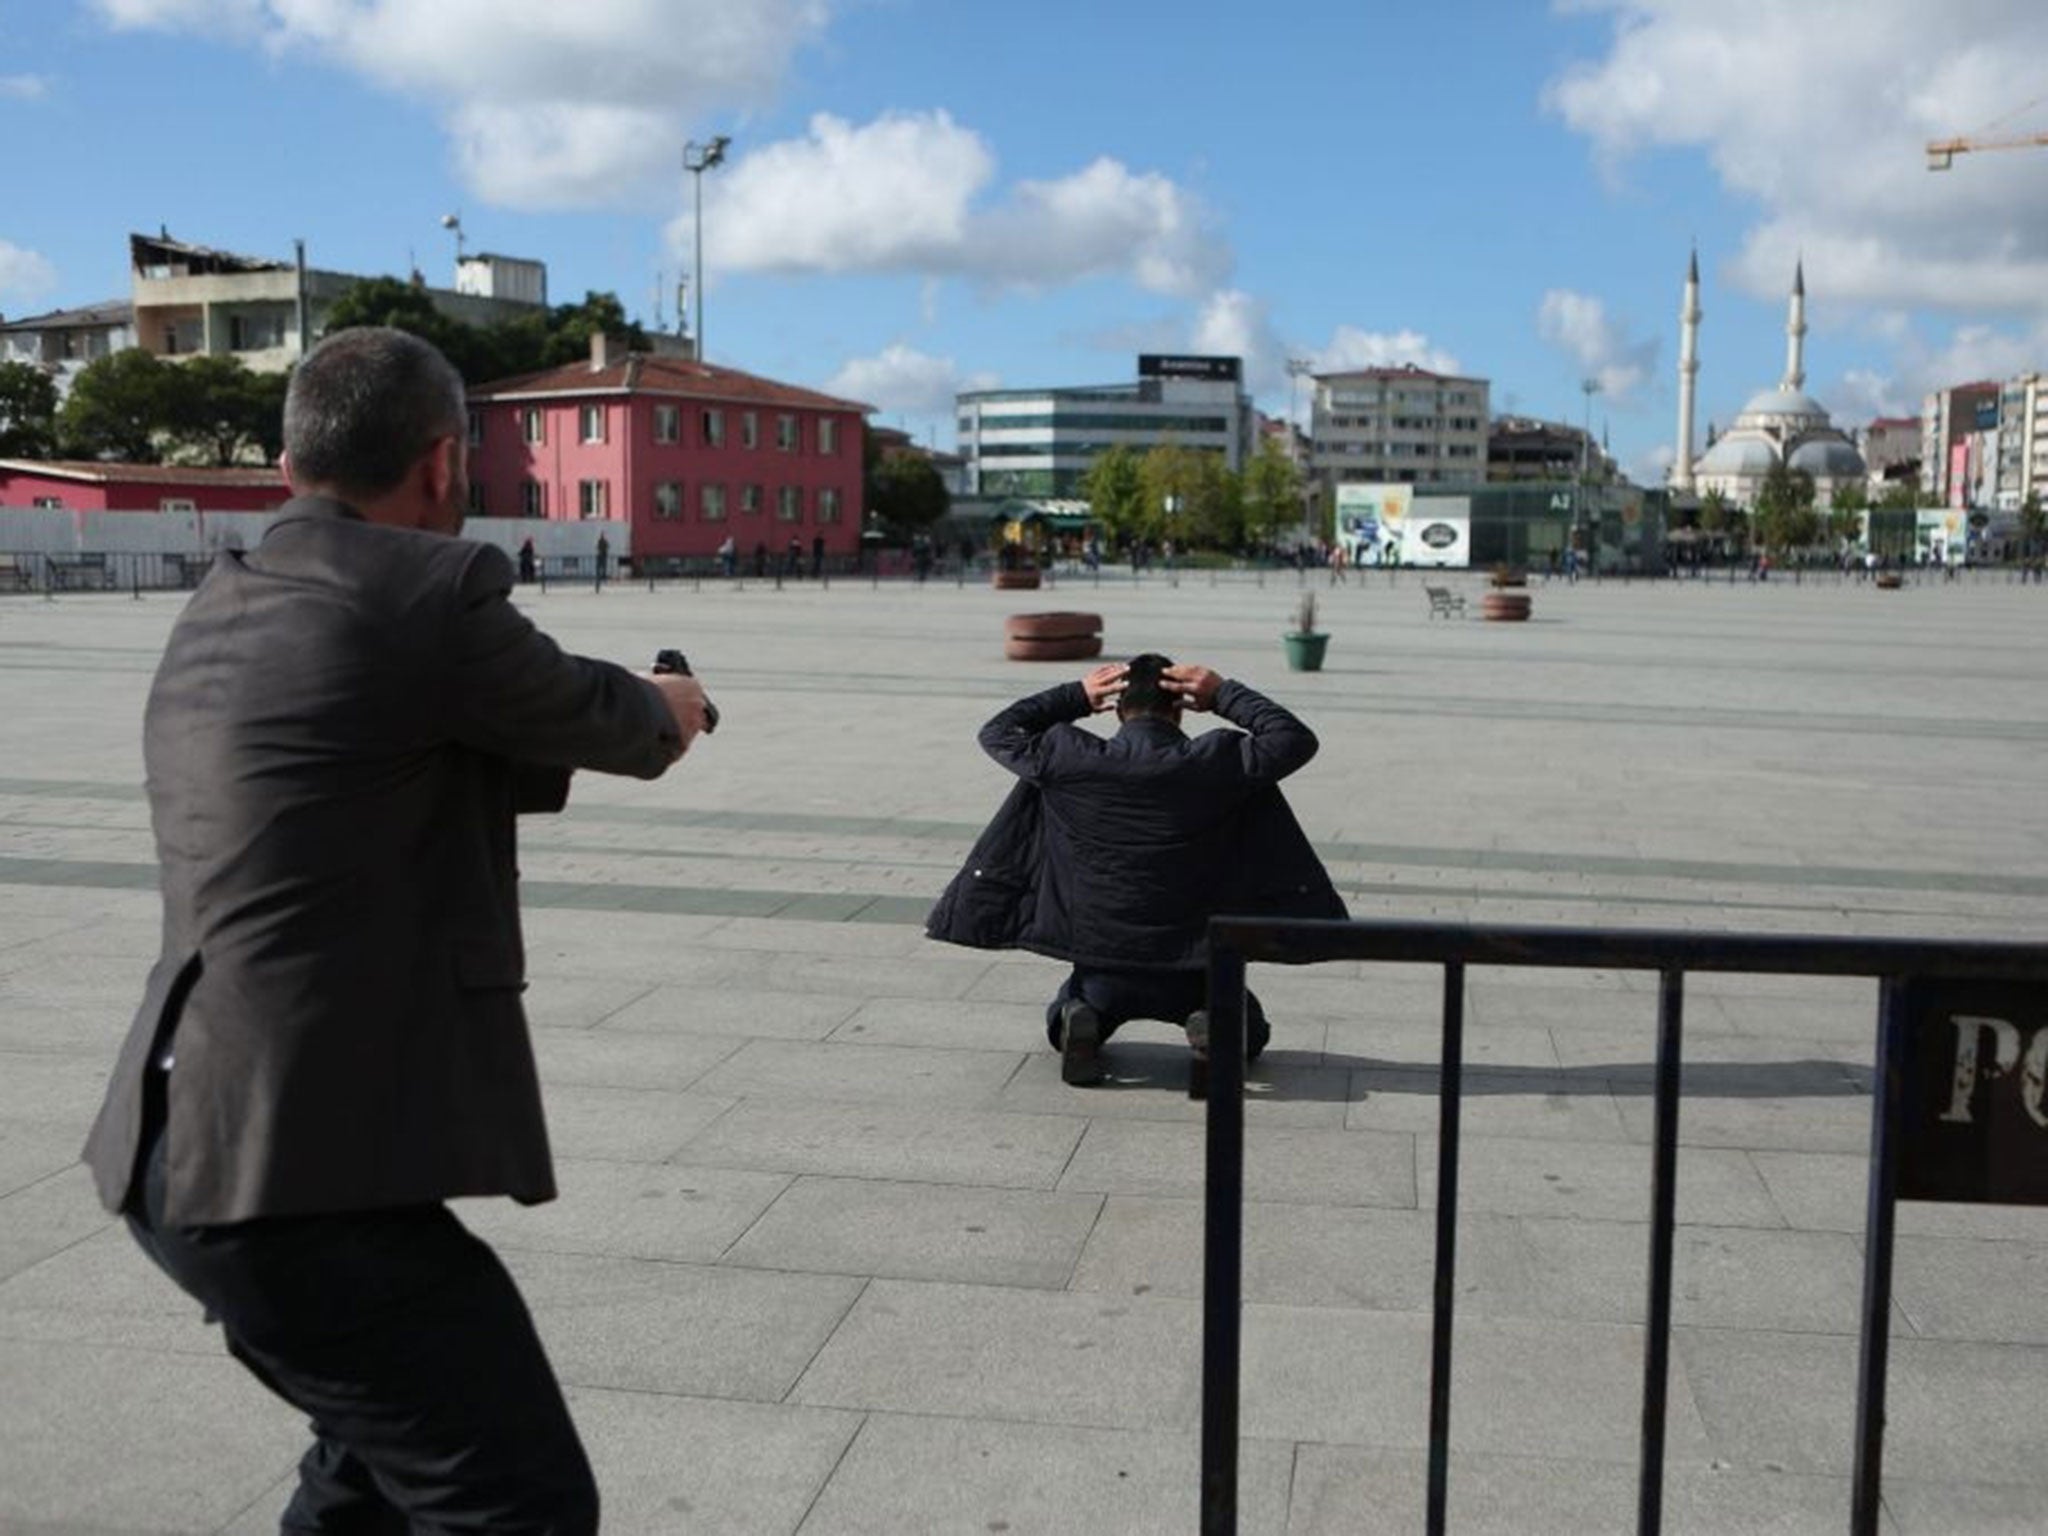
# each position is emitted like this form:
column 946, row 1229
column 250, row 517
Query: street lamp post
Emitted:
column 697, row 159
column 1591, row 387
column 1299, row 368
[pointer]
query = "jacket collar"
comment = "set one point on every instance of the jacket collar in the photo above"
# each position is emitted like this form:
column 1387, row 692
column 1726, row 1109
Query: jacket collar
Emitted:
column 321, row 508
column 1150, row 728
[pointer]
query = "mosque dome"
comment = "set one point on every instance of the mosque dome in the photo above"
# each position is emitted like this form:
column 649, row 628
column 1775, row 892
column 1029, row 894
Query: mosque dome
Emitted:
column 1828, row 458
column 1739, row 454
column 1782, row 404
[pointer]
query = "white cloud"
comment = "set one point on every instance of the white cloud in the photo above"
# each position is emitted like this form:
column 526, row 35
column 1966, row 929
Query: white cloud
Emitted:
column 1232, row 323
column 906, row 193
column 1349, row 348
column 1817, row 114
column 25, row 275
column 1579, row 325
column 23, row 87
column 549, row 105
column 1652, row 466
column 901, row 381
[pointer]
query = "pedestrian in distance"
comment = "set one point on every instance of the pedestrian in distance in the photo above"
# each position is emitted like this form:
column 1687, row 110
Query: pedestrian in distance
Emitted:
column 1113, row 852
column 344, row 725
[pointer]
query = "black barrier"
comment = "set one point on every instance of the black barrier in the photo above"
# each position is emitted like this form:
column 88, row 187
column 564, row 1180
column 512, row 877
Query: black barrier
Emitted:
column 1960, row 1112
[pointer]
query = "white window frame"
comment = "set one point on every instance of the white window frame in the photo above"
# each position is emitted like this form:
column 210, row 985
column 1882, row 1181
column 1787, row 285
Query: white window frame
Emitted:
column 750, row 499
column 533, row 498
column 668, row 499
column 590, row 423
column 828, row 436
column 828, row 504
column 533, row 426
column 750, row 429
column 788, row 435
column 789, row 504
column 668, row 423
column 714, row 427
column 711, row 503
column 593, row 499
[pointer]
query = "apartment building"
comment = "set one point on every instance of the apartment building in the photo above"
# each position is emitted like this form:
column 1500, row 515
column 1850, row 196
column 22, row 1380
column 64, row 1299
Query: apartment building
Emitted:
column 63, row 341
column 1951, row 421
column 1399, row 425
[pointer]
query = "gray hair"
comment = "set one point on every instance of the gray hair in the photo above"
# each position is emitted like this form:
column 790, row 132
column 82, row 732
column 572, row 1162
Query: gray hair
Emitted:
column 364, row 406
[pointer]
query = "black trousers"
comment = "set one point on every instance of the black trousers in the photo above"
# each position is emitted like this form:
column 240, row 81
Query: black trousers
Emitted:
column 1120, row 996
column 401, row 1335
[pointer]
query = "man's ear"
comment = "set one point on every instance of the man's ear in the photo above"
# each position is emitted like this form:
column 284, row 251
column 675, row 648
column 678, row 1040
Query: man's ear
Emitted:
column 438, row 469
column 284, row 467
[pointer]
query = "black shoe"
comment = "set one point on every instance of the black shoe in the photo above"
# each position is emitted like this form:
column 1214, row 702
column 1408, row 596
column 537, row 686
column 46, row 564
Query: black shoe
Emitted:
column 1080, row 1045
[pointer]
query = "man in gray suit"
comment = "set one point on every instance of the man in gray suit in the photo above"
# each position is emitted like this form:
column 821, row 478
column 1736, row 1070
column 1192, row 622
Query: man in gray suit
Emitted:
column 344, row 725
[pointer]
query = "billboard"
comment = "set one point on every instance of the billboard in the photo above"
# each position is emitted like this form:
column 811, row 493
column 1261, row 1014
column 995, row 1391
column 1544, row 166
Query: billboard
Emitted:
column 1437, row 538
column 1370, row 519
column 1221, row 370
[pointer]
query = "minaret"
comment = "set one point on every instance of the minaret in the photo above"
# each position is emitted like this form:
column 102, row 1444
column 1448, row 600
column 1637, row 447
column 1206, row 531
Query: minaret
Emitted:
column 1688, row 373
column 1795, row 333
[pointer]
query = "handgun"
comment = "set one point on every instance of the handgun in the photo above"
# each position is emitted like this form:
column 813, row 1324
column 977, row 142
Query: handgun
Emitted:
column 675, row 661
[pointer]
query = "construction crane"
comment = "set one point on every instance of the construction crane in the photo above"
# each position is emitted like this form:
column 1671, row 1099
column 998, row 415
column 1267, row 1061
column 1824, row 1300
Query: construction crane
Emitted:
column 1941, row 153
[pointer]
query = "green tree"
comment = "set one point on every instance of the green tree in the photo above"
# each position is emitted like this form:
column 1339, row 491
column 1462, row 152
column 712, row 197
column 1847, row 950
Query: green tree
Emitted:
column 28, row 412
column 907, row 494
column 1272, row 492
column 1115, row 490
column 214, row 406
column 116, row 407
column 1900, row 496
column 1784, row 514
column 2033, row 524
column 1714, row 510
column 407, row 307
column 1848, row 504
column 528, row 343
column 1191, row 497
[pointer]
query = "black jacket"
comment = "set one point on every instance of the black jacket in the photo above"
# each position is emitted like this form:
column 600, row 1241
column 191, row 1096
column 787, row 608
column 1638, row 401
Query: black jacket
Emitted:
column 1116, row 851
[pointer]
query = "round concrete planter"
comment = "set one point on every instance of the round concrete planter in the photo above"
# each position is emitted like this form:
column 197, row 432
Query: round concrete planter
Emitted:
column 1504, row 605
column 1065, row 648
column 1051, row 626
column 1024, row 579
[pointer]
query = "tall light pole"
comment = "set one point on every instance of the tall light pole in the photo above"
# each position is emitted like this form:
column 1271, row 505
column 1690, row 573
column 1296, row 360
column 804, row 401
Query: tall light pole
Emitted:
column 697, row 159
column 1591, row 387
column 1299, row 368
column 452, row 222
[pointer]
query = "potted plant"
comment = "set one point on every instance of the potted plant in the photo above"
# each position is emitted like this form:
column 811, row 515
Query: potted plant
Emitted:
column 1305, row 643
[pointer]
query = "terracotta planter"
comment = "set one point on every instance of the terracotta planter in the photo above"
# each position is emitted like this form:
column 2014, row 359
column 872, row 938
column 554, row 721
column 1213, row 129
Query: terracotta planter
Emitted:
column 1051, row 626
column 1024, row 579
column 1504, row 606
column 1065, row 648
column 1889, row 581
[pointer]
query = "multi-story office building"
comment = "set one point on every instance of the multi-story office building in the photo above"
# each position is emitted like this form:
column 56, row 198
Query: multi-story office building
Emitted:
column 1041, row 442
column 1382, row 425
column 2022, row 441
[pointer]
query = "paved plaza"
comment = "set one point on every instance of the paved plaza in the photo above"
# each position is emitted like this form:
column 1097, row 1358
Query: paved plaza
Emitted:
column 838, row 1253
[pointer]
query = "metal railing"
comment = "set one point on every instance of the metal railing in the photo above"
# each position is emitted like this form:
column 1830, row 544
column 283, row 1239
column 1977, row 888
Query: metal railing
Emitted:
column 1894, row 962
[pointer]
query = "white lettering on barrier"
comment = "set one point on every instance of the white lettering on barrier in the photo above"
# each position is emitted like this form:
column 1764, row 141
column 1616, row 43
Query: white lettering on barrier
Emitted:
column 2005, row 1055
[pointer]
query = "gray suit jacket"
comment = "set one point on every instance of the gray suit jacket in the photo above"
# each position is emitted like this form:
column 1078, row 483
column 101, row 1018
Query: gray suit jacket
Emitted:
column 344, row 724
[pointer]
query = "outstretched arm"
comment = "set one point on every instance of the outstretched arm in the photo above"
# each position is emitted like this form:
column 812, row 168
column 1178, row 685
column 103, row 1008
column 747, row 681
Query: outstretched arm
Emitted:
column 1017, row 738
column 1275, row 742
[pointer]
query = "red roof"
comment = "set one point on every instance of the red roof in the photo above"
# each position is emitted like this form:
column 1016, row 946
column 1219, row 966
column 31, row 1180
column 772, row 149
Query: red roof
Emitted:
column 641, row 373
column 92, row 472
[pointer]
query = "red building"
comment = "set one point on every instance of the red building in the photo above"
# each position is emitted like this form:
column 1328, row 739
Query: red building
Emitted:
column 683, row 452
column 84, row 486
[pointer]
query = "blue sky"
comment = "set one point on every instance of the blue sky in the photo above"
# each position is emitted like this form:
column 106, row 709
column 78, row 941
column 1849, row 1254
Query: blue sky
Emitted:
column 923, row 196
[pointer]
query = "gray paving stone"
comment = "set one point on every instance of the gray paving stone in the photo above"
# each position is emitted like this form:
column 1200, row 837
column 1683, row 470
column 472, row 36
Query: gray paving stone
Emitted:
column 921, row 1232
column 634, row 1125
column 838, row 975
column 1537, row 1104
column 103, row 1290
column 935, row 1146
column 117, row 1440
column 631, row 1210
column 678, row 1328
column 47, row 1088
column 868, row 1074
column 1134, row 1157
column 1828, row 1192
column 786, row 935
column 688, row 1464
column 33, row 1150
column 47, row 1217
column 1366, row 1046
column 1918, row 1508
column 1597, row 1181
column 595, row 1058
column 1519, row 1387
column 743, row 1012
column 1002, row 1353
column 948, row 1024
column 1777, row 1400
column 927, row 1476
column 1339, row 1489
column 562, row 1001
column 1823, row 1121
column 1149, row 1081
column 1953, row 1288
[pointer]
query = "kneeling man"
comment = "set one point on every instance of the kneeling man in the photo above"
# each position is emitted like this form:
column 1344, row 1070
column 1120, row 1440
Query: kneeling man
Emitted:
column 1113, row 852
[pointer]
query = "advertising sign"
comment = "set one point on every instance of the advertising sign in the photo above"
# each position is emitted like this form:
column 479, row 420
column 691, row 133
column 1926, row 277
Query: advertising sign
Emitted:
column 1437, row 538
column 1974, row 1124
column 1370, row 520
column 1222, row 370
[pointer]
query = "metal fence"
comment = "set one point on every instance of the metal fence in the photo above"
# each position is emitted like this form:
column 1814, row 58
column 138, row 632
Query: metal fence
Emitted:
column 1917, row 1151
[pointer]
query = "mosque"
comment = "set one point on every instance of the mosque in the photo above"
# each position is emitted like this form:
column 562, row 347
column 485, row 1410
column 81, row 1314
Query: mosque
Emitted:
column 1783, row 425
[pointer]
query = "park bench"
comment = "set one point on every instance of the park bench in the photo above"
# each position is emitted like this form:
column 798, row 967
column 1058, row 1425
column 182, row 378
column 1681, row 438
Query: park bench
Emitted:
column 1444, row 602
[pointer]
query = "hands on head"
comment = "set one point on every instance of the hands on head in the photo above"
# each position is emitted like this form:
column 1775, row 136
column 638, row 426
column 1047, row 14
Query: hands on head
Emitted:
column 1194, row 686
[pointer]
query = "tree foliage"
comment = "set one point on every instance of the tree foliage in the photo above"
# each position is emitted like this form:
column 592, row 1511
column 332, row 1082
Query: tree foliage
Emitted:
column 906, row 494
column 1115, row 491
column 1189, row 496
column 118, row 404
column 1272, row 492
column 525, row 343
column 1784, row 516
column 28, row 412
column 2033, row 522
column 216, row 407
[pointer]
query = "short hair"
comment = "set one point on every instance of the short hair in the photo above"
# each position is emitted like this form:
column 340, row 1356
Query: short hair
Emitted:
column 1143, row 693
column 365, row 405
